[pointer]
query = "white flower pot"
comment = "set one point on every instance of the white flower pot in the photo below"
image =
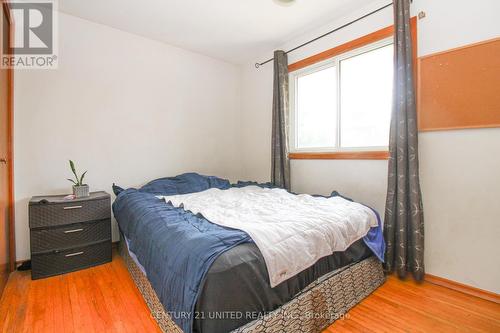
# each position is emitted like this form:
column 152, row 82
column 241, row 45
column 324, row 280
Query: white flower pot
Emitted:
column 81, row 191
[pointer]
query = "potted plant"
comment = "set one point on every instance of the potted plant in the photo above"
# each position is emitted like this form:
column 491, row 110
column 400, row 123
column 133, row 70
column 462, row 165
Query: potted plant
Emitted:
column 80, row 189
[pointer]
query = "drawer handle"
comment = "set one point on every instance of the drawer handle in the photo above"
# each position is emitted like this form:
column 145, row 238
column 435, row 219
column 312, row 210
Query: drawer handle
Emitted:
column 74, row 230
column 74, row 254
column 72, row 207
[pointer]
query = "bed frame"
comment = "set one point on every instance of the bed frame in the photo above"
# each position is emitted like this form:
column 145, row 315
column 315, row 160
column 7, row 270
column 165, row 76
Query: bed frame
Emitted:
column 315, row 308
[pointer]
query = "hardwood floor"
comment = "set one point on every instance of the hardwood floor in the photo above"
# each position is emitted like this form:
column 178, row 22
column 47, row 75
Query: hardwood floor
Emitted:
column 105, row 299
column 404, row 306
column 99, row 299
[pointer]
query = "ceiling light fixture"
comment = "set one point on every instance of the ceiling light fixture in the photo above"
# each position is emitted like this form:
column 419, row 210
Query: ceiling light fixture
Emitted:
column 284, row 3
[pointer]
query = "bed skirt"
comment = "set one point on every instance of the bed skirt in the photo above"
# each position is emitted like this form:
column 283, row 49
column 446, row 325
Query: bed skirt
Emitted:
column 314, row 309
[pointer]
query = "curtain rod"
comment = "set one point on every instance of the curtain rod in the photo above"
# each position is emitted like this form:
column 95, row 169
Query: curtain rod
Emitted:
column 257, row 65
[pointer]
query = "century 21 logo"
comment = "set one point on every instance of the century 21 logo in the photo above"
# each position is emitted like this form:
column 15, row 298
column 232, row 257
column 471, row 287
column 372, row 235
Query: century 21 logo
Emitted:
column 34, row 24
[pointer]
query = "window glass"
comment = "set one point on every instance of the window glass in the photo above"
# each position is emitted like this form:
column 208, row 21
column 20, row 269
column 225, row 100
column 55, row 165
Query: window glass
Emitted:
column 317, row 109
column 366, row 82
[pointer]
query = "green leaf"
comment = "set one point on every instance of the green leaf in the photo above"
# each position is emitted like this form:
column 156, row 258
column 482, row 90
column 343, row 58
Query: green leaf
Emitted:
column 81, row 178
column 73, row 169
column 71, row 180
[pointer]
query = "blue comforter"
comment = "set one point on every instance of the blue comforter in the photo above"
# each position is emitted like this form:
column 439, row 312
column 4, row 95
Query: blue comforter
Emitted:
column 177, row 248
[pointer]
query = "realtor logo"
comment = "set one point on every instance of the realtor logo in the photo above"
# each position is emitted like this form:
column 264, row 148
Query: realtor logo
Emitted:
column 33, row 45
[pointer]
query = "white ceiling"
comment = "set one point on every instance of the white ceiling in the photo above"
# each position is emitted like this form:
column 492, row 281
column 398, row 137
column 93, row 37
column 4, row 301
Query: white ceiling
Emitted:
column 237, row 31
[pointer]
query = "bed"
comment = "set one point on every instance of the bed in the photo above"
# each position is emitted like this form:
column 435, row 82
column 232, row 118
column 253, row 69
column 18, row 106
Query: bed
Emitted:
column 198, row 276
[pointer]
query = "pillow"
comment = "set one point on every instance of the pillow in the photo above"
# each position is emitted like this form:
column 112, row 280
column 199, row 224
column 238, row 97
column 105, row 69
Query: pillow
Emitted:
column 185, row 183
column 117, row 189
column 337, row 194
column 242, row 183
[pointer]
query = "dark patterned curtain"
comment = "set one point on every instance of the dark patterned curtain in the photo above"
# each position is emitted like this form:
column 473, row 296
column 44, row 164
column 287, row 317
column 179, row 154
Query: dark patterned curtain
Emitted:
column 404, row 222
column 280, row 168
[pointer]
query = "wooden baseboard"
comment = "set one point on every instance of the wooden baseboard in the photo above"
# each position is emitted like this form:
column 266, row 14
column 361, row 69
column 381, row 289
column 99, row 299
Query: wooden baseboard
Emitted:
column 20, row 262
column 463, row 288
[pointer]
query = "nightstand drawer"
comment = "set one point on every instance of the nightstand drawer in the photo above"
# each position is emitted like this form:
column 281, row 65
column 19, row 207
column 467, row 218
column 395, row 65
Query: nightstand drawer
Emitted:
column 44, row 265
column 70, row 236
column 54, row 214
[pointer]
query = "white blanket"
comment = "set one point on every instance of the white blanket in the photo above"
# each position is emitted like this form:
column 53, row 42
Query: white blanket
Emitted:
column 291, row 231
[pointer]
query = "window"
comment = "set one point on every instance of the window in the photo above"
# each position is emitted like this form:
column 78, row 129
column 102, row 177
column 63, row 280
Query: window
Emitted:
column 344, row 103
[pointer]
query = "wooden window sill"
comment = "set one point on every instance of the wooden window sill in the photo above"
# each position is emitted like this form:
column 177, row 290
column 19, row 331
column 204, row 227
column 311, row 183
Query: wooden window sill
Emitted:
column 357, row 155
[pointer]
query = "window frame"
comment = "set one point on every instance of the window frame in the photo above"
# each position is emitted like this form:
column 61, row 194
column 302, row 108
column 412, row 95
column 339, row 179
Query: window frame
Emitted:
column 350, row 45
column 333, row 61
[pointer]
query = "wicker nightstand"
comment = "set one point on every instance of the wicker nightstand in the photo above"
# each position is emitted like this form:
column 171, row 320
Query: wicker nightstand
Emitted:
column 68, row 235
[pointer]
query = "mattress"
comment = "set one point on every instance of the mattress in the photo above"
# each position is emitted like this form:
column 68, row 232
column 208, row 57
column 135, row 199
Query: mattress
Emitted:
column 236, row 289
column 215, row 275
column 292, row 231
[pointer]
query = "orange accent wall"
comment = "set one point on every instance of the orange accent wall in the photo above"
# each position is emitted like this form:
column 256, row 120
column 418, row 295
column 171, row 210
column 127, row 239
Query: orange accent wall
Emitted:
column 460, row 88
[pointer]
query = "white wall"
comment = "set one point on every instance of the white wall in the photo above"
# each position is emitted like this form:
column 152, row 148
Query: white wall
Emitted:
column 460, row 175
column 125, row 108
column 129, row 110
column 459, row 170
column 310, row 176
